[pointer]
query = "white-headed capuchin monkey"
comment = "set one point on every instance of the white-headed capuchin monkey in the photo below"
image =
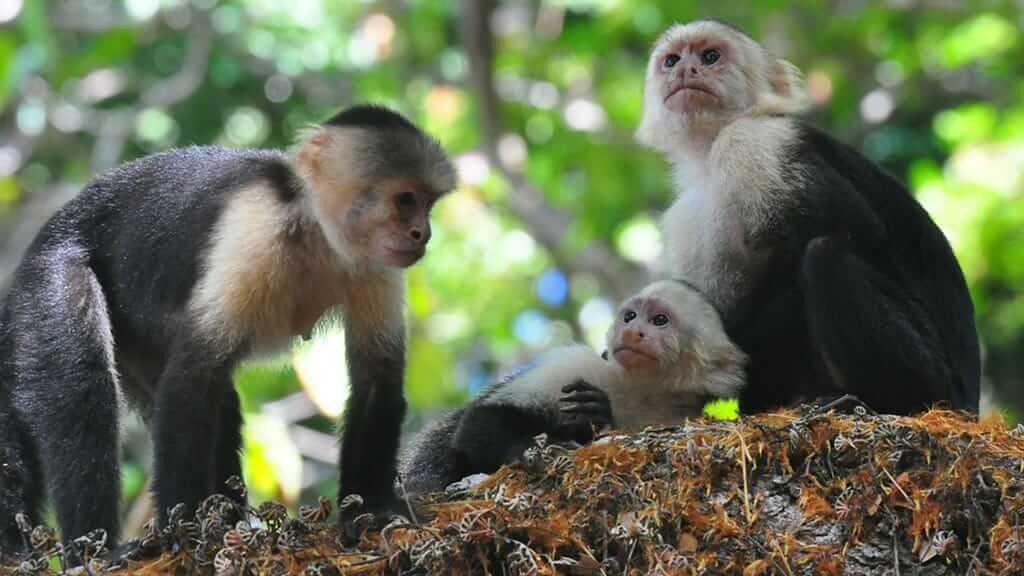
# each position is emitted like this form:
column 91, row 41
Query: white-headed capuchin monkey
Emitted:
column 667, row 354
column 164, row 273
column 826, row 270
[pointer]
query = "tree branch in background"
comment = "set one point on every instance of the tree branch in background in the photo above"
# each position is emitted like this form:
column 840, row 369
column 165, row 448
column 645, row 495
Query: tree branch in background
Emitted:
column 111, row 129
column 547, row 223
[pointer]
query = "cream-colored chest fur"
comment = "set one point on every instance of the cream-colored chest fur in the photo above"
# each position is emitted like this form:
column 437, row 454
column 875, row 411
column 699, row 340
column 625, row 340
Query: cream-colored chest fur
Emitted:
column 725, row 198
column 268, row 276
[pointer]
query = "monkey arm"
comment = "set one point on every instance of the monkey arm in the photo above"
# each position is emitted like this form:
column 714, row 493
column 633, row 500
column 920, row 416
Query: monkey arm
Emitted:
column 372, row 421
column 376, row 406
column 489, row 435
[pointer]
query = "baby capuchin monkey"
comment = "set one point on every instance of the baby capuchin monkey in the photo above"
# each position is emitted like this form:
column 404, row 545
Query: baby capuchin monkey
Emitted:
column 166, row 272
column 667, row 355
column 826, row 270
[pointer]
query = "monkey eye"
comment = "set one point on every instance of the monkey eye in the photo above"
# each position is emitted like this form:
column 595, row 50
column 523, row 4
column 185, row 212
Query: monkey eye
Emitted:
column 670, row 60
column 406, row 199
column 628, row 316
column 660, row 320
column 710, row 56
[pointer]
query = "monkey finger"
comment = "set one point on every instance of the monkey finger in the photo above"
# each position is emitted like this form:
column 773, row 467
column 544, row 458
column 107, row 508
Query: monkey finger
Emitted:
column 579, row 397
column 579, row 386
column 584, row 408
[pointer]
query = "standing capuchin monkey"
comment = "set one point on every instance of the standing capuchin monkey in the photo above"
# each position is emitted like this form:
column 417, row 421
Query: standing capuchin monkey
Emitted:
column 826, row 270
column 166, row 272
column 667, row 355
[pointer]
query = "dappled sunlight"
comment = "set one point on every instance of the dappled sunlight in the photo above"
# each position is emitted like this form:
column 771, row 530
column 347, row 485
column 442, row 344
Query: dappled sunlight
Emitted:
column 322, row 371
column 272, row 464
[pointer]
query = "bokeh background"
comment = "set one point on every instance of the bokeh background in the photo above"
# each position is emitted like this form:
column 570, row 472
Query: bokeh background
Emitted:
column 555, row 217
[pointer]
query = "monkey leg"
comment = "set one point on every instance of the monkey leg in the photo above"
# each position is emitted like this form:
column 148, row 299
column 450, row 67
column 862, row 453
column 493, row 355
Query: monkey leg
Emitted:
column 188, row 419
column 870, row 336
column 65, row 387
column 227, row 458
column 19, row 492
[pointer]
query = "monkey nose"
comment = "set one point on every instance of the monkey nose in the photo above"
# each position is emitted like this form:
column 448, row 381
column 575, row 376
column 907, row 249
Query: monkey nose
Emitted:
column 421, row 235
column 632, row 336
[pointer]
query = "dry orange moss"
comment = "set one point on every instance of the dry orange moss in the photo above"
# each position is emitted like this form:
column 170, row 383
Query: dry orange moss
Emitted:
column 784, row 493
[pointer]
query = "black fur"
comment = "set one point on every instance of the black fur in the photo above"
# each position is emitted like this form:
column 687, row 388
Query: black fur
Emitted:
column 489, row 432
column 388, row 151
column 100, row 304
column 856, row 291
column 371, row 116
column 119, row 261
column 373, row 418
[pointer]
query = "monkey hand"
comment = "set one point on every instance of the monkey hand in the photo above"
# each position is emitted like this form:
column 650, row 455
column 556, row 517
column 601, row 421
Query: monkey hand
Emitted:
column 582, row 410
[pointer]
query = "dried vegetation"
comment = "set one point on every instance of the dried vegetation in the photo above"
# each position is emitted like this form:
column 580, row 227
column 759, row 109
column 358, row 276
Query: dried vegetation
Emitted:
column 796, row 492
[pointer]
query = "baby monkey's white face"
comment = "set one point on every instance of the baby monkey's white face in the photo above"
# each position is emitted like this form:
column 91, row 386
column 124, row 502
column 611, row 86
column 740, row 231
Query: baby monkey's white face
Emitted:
column 669, row 334
column 645, row 334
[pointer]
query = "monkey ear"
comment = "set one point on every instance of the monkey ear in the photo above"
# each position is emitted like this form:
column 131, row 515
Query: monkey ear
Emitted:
column 311, row 148
column 787, row 94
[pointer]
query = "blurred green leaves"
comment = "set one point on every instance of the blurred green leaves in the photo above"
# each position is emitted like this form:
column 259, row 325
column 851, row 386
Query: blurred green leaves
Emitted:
column 984, row 36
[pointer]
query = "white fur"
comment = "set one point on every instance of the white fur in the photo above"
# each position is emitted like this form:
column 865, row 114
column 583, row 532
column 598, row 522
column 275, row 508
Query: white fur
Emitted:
column 730, row 168
column 758, row 85
column 725, row 197
column 541, row 385
column 709, row 365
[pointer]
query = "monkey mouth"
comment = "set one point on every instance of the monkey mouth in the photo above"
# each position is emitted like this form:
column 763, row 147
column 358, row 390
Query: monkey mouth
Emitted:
column 403, row 258
column 629, row 356
column 692, row 86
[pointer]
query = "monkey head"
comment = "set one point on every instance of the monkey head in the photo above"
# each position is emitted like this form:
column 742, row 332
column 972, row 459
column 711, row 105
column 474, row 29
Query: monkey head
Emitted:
column 375, row 177
column 704, row 74
column 669, row 331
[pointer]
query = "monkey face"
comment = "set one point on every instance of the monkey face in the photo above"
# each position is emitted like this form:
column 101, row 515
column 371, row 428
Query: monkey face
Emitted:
column 703, row 75
column 390, row 222
column 699, row 70
column 645, row 334
column 670, row 332
column 373, row 191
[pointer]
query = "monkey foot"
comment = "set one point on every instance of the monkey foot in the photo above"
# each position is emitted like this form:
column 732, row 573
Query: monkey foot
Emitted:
column 355, row 518
column 846, row 404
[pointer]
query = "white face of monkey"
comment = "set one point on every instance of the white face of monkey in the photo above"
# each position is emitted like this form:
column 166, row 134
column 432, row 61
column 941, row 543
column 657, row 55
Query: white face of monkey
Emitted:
column 670, row 332
column 702, row 75
column 654, row 329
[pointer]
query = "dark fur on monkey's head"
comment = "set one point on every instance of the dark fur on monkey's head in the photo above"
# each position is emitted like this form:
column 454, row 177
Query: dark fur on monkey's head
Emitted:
column 371, row 116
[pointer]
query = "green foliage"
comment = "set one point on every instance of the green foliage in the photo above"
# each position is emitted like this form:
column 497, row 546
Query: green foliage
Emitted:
column 722, row 409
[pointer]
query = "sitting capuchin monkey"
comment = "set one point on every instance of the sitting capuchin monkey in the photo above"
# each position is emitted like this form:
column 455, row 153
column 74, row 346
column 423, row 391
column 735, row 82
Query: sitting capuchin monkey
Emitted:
column 667, row 355
column 826, row 270
column 166, row 272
